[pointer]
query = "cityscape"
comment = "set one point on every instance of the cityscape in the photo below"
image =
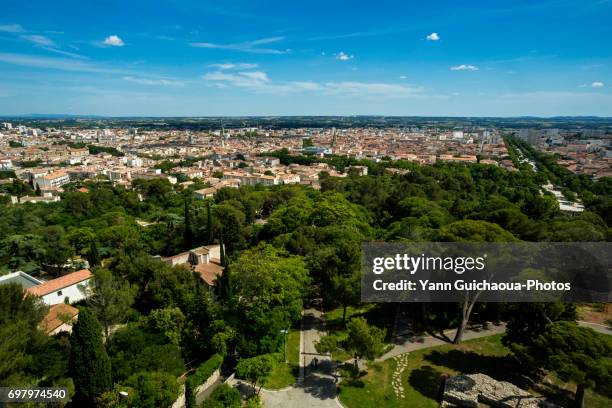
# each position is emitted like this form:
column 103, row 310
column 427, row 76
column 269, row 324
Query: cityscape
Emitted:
column 305, row 205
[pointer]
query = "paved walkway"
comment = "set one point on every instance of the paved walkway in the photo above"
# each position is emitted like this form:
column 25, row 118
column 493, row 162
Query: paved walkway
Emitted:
column 316, row 388
column 597, row 327
column 412, row 343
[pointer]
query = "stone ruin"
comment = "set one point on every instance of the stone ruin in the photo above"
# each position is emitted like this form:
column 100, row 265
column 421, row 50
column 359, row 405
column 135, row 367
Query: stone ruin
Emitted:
column 479, row 390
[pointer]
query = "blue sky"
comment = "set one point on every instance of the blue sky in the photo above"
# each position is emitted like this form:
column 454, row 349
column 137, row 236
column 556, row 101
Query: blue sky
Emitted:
column 205, row 58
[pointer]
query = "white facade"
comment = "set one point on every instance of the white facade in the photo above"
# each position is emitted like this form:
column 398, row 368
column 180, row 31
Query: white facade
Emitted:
column 72, row 292
column 6, row 163
column 52, row 180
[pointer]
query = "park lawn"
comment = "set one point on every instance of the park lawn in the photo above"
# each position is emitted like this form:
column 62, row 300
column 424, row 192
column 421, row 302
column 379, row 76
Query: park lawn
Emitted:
column 286, row 374
column 424, row 367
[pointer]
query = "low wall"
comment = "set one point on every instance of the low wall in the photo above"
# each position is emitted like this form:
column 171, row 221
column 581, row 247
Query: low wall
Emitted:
column 214, row 377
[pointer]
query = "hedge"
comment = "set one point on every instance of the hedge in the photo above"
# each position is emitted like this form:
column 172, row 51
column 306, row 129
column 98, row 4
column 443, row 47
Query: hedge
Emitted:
column 199, row 376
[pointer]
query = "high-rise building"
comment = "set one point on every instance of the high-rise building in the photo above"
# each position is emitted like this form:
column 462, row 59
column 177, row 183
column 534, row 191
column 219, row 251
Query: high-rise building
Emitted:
column 531, row 136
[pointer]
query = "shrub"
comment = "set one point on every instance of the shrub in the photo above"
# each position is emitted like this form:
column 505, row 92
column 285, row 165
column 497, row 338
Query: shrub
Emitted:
column 224, row 396
column 199, row 376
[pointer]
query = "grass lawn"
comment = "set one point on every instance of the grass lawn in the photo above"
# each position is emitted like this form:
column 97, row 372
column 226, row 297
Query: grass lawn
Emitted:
column 424, row 367
column 286, row 374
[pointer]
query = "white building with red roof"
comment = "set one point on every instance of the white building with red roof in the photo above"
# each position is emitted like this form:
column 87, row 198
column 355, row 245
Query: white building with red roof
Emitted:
column 65, row 289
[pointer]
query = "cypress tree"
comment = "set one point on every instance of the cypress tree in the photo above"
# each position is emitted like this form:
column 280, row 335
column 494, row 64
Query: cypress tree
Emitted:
column 225, row 289
column 188, row 232
column 90, row 366
column 209, row 223
column 93, row 257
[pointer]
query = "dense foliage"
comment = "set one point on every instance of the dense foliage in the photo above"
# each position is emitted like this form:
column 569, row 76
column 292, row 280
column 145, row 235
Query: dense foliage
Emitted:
column 280, row 244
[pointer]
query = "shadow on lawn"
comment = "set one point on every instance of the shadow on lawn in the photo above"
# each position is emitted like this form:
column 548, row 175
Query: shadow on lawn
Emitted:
column 380, row 315
column 426, row 380
column 469, row 362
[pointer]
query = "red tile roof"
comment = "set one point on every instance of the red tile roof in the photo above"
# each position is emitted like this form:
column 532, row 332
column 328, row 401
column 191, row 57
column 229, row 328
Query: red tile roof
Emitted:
column 55, row 316
column 62, row 282
column 210, row 272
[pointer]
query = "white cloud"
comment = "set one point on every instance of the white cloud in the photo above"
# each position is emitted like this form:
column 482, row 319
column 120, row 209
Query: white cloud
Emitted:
column 39, row 40
column 433, row 37
column 464, row 67
column 591, row 66
column 230, row 65
column 403, row 77
column 150, row 81
column 256, row 75
column 11, row 28
column 62, row 64
column 597, row 84
column 260, row 82
column 371, row 89
column 62, row 52
column 113, row 41
column 250, row 79
column 342, row 56
column 247, row 46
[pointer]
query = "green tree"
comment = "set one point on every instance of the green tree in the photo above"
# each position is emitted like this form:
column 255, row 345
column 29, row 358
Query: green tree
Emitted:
column 169, row 321
column 135, row 347
column 19, row 335
column 109, row 298
column 576, row 354
column 256, row 369
column 89, row 364
column 363, row 340
column 58, row 249
column 327, row 344
column 93, row 256
column 153, row 389
column 471, row 231
column 232, row 227
column 23, row 252
column 269, row 288
column 338, row 266
column 527, row 321
column 224, row 396
column 209, row 224
column 188, row 237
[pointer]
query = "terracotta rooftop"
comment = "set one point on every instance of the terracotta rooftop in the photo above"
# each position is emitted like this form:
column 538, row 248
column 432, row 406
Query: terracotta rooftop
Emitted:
column 63, row 281
column 55, row 316
column 210, row 272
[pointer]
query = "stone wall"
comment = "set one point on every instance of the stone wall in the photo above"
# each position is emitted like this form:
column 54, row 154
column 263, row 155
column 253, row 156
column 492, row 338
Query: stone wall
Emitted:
column 180, row 401
column 470, row 390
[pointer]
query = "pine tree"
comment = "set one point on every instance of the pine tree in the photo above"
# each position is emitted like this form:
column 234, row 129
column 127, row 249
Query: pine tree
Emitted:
column 38, row 192
column 188, row 231
column 90, row 366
